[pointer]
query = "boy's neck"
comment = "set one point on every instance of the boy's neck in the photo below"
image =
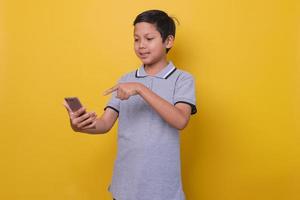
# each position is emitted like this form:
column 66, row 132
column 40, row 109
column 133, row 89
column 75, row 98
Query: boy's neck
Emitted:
column 156, row 67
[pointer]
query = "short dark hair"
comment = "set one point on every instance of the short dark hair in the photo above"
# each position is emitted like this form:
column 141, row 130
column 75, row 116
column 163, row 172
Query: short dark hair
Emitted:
column 165, row 24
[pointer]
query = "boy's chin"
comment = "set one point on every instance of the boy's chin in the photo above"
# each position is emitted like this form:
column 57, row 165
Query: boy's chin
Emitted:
column 149, row 61
column 146, row 62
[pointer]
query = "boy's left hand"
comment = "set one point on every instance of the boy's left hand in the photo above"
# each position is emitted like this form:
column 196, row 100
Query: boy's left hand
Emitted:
column 125, row 90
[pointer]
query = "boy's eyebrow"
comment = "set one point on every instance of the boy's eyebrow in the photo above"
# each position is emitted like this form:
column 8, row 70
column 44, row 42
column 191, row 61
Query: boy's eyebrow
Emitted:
column 145, row 34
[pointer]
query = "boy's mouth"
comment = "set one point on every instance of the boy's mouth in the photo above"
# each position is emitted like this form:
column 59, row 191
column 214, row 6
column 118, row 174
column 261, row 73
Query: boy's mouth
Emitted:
column 143, row 55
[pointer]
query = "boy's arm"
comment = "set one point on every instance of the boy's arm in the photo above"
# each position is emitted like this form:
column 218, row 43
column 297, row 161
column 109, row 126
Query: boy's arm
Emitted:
column 177, row 116
column 103, row 124
column 89, row 123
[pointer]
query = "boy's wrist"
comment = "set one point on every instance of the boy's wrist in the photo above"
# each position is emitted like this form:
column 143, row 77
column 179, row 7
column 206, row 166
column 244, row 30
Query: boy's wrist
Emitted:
column 140, row 88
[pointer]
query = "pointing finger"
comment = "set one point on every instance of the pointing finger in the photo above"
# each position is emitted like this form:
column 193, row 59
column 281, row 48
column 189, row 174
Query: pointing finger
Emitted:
column 111, row 90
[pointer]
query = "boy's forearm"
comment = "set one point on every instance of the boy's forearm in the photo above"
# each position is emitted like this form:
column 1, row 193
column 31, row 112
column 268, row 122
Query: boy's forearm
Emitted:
column 166, row 110
column 100, row 128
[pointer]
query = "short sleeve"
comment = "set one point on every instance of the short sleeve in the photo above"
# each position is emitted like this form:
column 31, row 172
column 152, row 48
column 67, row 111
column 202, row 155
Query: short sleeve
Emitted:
column 185, row 91
column 114, row 103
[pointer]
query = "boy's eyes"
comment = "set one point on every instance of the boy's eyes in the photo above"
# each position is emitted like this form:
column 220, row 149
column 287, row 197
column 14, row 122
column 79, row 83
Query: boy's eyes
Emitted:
column 146, row 38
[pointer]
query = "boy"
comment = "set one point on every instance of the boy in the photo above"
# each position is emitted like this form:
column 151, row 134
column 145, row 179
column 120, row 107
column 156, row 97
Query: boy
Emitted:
column 153, row 103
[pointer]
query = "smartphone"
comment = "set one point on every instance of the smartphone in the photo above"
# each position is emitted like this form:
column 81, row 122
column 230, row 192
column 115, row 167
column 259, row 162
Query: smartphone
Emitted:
column 73, row 103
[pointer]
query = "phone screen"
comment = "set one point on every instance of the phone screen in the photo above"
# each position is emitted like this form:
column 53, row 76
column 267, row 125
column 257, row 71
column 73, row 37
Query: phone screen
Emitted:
column 73, row 103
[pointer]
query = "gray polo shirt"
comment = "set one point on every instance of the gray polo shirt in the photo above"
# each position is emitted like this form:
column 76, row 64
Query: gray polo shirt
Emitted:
column 147, row 166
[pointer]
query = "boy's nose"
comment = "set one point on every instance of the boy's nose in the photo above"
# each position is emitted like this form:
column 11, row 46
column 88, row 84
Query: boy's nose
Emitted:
column 142, row 45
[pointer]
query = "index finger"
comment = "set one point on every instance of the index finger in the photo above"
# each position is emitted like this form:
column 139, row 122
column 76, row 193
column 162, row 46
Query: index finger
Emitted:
column 79, row 112
column 111, row 90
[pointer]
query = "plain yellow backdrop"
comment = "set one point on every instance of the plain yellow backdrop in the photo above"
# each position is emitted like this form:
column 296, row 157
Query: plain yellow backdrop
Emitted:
column 244, row 142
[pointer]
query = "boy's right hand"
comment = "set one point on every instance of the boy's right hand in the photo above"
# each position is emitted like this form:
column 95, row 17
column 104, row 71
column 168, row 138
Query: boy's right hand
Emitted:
column 80, row 121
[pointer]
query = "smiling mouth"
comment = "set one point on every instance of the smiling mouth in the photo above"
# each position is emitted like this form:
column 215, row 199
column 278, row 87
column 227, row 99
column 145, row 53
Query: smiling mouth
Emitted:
column 143, row 55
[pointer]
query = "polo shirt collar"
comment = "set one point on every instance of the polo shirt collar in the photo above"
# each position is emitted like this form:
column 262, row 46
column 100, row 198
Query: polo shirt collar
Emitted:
column 164, row 73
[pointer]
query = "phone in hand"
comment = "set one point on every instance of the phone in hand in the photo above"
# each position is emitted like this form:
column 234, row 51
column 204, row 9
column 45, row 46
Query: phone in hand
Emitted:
column 73, row 103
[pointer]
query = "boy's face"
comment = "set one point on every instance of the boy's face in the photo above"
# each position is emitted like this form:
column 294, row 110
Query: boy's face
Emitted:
column 148, row 44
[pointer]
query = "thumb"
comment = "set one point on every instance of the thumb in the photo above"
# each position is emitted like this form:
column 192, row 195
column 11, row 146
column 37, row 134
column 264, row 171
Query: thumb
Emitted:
column 67, row 107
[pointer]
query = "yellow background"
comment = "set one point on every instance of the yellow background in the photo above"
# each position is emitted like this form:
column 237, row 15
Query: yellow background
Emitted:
column 244, row 142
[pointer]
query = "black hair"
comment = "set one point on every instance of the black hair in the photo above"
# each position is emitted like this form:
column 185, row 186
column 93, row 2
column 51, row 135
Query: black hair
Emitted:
column 165, row 24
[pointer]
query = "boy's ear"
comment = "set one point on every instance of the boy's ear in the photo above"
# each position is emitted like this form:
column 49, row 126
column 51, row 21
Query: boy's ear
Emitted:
column 169, row 41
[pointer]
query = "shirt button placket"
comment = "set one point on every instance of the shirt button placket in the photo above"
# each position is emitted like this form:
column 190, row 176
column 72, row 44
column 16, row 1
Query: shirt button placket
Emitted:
column 149, row 120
